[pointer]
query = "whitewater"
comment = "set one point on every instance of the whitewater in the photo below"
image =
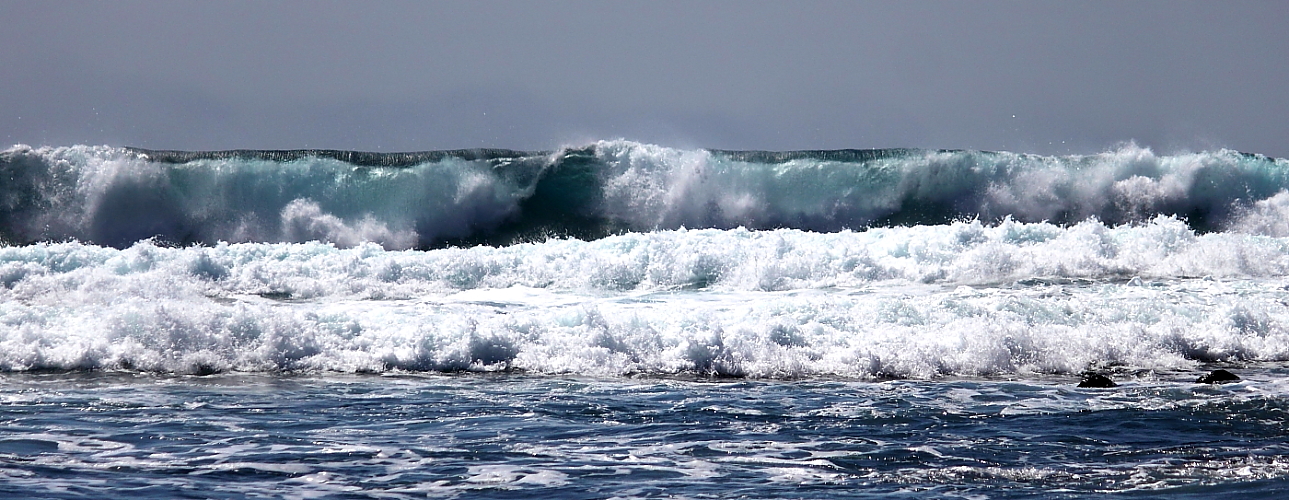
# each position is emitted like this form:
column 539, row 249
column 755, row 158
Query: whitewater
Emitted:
column 630, row 320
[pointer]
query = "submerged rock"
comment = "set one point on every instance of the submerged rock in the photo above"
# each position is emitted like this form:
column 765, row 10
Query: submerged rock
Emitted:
column 1218, row 377
column 1097, row 381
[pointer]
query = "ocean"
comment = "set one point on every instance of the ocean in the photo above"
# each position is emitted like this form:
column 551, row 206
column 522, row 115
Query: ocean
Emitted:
column 627, row 320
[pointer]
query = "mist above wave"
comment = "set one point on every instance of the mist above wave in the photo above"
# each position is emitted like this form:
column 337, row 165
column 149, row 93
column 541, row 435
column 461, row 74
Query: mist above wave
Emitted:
column 117, row 196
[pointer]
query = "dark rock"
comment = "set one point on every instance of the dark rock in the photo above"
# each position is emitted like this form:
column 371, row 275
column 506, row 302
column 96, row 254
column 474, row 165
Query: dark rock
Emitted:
column 1218, row 377
column 1097, row 381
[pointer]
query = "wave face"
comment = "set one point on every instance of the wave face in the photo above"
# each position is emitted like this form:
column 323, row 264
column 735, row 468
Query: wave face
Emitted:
column 117, row 196
column 917, row 302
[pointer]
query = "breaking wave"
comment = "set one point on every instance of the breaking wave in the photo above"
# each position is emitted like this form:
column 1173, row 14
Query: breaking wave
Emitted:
column 117, row 196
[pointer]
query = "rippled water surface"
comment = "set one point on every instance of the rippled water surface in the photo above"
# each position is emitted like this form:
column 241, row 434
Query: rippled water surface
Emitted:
column 1157, row 435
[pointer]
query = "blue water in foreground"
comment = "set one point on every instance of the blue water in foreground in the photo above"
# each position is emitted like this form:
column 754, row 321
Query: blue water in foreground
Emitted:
column 625, row 320
column 112, row 435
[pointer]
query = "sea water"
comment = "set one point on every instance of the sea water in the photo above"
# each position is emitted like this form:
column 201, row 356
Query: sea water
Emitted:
column 625, row 320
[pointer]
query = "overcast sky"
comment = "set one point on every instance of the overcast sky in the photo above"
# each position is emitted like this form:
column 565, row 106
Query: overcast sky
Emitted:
column 1041, row 77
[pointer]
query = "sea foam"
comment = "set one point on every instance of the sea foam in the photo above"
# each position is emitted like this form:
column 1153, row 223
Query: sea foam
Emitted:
column 967, row 298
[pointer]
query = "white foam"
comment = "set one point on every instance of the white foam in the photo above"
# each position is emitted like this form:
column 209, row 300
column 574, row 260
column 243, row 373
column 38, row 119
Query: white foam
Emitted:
column 962, row 299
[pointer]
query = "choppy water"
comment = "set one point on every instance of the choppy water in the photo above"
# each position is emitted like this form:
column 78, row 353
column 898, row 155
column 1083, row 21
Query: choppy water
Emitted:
column 100, row 435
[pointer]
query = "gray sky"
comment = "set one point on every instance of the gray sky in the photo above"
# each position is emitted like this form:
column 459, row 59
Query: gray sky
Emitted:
column 1041, row 77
